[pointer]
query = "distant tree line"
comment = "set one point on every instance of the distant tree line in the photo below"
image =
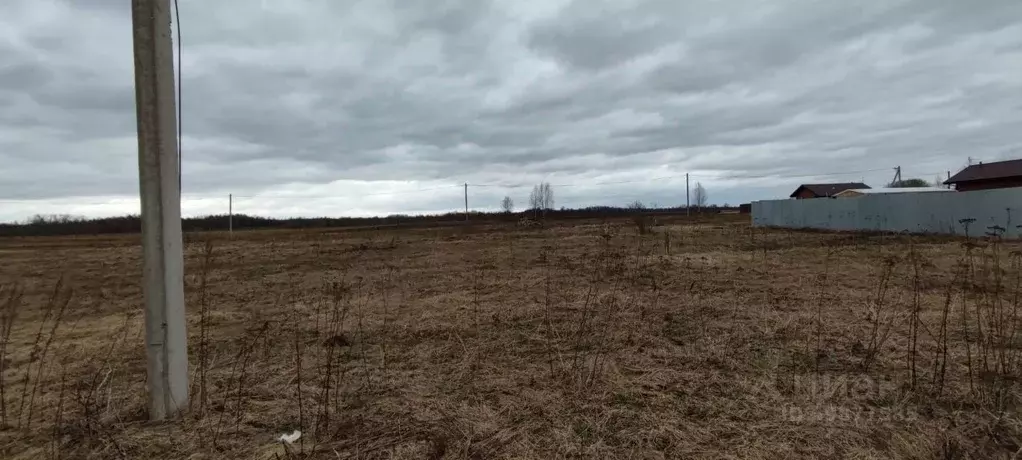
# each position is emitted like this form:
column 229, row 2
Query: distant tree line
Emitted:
column 63, row 224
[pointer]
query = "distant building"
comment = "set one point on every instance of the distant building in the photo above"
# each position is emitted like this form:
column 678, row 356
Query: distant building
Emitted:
column 985, row 176
column 825, row 190
column 853, row 192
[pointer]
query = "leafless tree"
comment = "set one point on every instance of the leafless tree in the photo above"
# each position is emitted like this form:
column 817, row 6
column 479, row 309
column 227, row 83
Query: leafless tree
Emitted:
column 507, row 205
column 699, row 196
column 541, row 198
column 548, row 196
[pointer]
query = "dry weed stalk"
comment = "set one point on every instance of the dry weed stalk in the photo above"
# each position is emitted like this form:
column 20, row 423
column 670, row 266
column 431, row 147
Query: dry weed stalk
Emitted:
column 603, row 344
column 58, row 418
column 996, row 338
column 578, row 356
column 388, row 284
column 914, row 321
column 476, row 287
column 966, row 286
column 1012, row 363
column 56, row 307
column 510, row 258
column 360, row 303
column 881, row 322
column 207, row 265
column 341, row 305
column 246, row 354
column 940, row 360
column 86, row 395
column 820, row 300
column 299, row 350
column 240, row 369
column 330, row 364
column 547, row 314
column 10, row 303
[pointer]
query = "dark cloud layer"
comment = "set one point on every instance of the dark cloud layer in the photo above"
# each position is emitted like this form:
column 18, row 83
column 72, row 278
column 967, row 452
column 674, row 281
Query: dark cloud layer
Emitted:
column 308, row 104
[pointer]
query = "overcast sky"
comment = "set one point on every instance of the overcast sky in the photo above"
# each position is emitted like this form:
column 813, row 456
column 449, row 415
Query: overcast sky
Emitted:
column 323, row 107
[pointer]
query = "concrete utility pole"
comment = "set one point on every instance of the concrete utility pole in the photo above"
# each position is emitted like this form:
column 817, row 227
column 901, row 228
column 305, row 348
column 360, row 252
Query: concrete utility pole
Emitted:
column 897, row 176
column 163, row 272
column 688, row 205
column 230, row 214
column 466, row 201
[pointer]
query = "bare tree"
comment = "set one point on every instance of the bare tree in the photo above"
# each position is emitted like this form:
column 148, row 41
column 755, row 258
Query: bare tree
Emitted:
column 541, row 198
column 699, row 196
column 548, row 196
column 507, row 205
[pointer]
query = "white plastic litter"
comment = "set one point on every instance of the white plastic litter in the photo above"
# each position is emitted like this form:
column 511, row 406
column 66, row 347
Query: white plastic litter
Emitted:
column 290, row 438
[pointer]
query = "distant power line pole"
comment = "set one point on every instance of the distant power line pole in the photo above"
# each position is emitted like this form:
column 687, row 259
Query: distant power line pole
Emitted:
column 159, row 172
column 688, row 204
column 466, row 201
column 897, row 176
column 230, row 214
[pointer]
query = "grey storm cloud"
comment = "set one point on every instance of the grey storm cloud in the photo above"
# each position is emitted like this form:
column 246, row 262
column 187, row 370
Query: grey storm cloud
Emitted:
column 284, row 95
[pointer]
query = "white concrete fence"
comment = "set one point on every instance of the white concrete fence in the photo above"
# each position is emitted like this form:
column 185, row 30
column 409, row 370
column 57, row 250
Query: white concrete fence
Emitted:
column 943, row 213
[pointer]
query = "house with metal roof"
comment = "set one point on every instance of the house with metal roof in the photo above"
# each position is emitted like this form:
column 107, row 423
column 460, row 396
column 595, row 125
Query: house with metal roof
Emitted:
column 985, row 176
column 825, row 190
column 852, row 192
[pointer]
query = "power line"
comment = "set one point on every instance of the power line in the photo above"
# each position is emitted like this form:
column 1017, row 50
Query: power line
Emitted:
column 451, row 187
column 180, row 162
column 678, row 176
column 399, row 192
column 63, row 200
column 789, row 176
column 209, row 197
column 522, row 185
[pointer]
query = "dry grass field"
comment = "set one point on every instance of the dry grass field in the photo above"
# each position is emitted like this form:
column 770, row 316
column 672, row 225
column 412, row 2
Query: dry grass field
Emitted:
column 585, row 339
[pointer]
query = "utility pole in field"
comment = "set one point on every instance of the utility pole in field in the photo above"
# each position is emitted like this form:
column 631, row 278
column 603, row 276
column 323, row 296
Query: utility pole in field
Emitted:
column 897, row 176
column 466, row 201
column 230, row 214
column 688, row 205
column 159, row 172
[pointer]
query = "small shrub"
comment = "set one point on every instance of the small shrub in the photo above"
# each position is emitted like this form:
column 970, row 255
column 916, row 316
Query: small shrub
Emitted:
column 644, row 224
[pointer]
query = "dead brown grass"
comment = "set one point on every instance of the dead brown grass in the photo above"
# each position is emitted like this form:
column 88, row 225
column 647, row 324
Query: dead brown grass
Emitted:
column 581, row 339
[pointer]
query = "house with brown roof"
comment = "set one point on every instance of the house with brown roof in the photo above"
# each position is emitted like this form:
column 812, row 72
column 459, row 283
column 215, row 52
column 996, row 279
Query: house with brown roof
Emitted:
column 854, row 192
column 985, row 176
column 825, row 190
